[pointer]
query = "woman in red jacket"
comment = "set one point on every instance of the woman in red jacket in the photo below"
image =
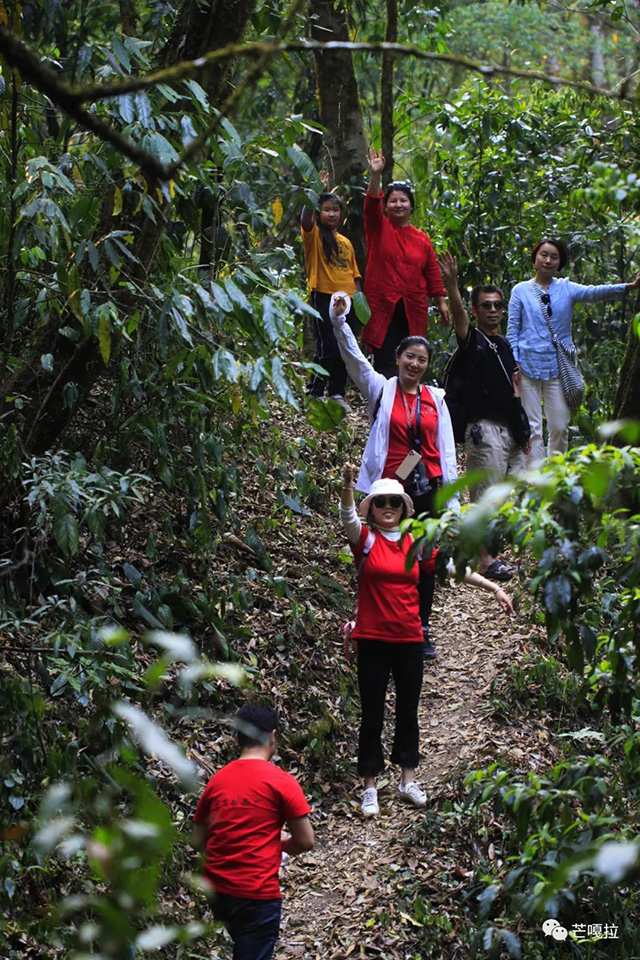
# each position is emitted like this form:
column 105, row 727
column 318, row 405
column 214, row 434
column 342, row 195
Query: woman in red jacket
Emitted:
column 402, row 270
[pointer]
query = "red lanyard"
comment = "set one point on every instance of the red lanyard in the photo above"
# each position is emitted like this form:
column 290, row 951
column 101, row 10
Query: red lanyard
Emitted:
column 414, row 435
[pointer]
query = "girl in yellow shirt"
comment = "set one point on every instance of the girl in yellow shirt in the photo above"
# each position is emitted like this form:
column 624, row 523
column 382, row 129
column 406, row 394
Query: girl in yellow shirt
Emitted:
column 331, row 266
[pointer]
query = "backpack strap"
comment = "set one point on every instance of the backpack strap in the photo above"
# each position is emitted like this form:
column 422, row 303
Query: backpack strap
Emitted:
column 366, row 550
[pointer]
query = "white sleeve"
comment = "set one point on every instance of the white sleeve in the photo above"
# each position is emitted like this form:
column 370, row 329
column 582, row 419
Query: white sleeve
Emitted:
column 352, row 523
column 368, row 382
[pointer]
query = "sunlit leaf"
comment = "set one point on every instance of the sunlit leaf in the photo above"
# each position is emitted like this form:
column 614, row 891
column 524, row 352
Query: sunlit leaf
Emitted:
column 154, row 741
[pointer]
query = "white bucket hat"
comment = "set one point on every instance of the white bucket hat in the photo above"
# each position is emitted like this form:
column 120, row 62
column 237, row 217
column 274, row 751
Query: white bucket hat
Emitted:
column 389, row 487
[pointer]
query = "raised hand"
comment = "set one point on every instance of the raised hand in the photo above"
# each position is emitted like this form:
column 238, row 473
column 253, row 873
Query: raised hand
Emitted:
column 448, row 267
column 635, row 283
column 349, row 471
column 324, row 178
column 376, row 161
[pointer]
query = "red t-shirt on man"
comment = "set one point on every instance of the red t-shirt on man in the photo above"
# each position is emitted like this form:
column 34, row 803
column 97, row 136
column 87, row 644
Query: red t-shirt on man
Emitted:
column 399, row 437
column 401, row 265
column 244, row 807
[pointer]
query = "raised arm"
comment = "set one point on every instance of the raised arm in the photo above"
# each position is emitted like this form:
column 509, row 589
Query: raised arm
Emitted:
column 376, row 162
column 367, row 380
column 350, row 519
column 593, row 293
column 449, row 270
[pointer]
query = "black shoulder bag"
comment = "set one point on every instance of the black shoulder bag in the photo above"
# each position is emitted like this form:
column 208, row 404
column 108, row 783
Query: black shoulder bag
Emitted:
column 518, row 419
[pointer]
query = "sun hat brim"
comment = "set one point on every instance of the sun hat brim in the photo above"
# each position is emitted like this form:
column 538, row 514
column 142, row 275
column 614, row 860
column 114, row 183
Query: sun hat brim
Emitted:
column 386, row 487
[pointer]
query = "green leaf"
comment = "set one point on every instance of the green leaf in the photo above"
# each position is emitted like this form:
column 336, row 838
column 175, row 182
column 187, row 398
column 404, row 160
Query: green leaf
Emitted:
column 281, row 383
column 237, row 295
column 361, row 306
column 104, row 335
column 224, row 365
column 156, row 743
column 252, row 540
column 269, row 319
column 303, row 164
column 258, row 374
column 325, row 415
column 47, row 362
column 66, row 533
column 557, row 595
column 221, row 298
column 155, row 937
column 512, row 944
column 293, row 503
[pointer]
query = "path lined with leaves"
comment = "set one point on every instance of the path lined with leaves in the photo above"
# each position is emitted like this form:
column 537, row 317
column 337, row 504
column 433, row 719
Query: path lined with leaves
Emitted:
column 344, row 898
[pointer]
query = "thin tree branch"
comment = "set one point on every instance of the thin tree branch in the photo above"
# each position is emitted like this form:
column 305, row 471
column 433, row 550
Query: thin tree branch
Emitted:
column 18, row 55
column 190, row 68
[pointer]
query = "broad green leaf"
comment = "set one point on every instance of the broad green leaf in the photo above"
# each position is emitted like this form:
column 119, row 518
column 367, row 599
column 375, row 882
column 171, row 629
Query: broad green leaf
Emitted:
column 224, row 365
column 557, row 595
column 237, row 295
column 325, row 414
column 66, row 534
column 361, row 307
column 281, row 384
column 47, row 362
column 221, row 298
column 143, row 109
column 269, row 319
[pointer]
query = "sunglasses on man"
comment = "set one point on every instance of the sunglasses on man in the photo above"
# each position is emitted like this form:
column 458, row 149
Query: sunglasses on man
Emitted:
column 382, row 502
column 491, row 304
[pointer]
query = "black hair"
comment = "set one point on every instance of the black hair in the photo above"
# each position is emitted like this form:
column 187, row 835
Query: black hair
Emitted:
column 254, row 724
column 402, row 187
column 484, row 288
column 330, row 246
column 370, row 520
column 413, row 342
column 558, row 244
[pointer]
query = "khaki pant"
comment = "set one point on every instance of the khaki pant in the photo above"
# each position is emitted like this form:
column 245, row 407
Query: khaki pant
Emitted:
column 496, row 452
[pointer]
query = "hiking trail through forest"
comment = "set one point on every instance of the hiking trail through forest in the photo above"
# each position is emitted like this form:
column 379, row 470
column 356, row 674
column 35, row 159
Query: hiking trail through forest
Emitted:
column 334, row 894
column 352, row 894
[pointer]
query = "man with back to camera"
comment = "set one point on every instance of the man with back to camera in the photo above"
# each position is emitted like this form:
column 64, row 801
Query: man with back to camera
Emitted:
column 238, row 825
column 497, row 433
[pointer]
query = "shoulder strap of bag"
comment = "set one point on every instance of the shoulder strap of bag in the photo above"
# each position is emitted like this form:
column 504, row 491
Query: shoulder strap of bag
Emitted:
column 366, row 550
column 497, row 356
column 545, row 313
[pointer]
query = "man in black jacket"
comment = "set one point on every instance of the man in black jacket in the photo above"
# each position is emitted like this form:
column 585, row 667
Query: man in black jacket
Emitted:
column 497, row 430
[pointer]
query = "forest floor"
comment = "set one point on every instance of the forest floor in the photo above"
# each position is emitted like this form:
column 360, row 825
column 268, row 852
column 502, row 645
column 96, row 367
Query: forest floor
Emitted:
column 348, row 897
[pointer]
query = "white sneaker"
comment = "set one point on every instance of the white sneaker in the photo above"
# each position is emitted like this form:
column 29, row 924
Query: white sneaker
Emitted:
column 411, row 793
column 369, row 805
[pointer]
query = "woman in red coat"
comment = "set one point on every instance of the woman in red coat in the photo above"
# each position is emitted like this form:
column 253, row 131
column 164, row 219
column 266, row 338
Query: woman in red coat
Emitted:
column 402, row 270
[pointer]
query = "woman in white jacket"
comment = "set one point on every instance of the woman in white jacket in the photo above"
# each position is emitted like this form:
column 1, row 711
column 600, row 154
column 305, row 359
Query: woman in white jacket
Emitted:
column 410, row 437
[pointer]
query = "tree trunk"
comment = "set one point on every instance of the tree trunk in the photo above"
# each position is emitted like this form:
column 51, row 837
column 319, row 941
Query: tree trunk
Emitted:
column 200, row 27
column 598, row 73
column 340, row 113
column 386, row 93
column 627, row 402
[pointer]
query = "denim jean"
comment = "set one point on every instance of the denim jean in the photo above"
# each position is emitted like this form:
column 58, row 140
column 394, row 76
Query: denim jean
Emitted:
column 253, row 924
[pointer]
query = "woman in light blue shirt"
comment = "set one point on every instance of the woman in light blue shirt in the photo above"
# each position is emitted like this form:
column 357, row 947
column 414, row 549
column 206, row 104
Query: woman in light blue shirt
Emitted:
column 530, row 340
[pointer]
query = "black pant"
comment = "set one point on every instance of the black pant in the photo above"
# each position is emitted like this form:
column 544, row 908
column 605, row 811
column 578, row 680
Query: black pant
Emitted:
column 253, row 924
column 376, row 660
column 384, row 357
column 427, row 582
column 327, row 354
